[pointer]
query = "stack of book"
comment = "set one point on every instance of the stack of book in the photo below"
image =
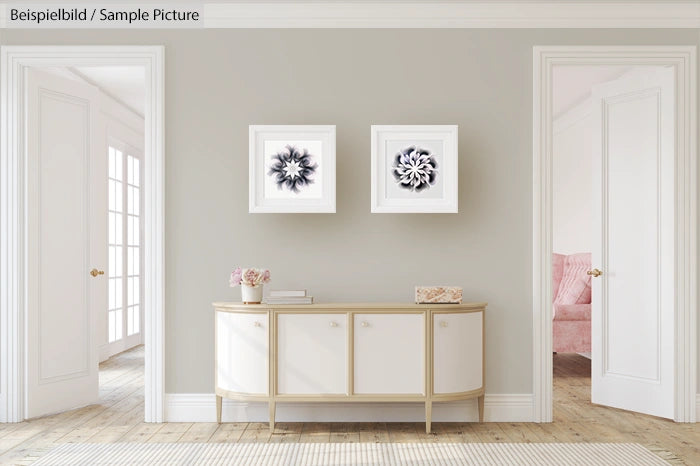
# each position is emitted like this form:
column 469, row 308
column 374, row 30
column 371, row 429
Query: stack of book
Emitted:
column 289, row 297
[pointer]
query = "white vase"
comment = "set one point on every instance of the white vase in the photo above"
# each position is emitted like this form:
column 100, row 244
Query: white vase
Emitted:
column 251, row 294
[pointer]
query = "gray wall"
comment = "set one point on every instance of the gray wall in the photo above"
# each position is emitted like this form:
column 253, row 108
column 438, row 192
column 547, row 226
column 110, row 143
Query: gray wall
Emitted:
column 220, row 81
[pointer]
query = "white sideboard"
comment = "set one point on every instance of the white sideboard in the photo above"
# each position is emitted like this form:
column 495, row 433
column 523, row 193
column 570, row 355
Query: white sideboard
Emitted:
column 349, row 352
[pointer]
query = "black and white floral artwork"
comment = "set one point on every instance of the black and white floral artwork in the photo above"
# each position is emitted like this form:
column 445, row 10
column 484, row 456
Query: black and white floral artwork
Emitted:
column 415, row 168
column 293, row 168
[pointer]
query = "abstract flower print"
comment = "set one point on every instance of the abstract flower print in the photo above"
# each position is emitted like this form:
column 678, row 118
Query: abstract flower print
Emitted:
column 415, row 168
column 293, row 168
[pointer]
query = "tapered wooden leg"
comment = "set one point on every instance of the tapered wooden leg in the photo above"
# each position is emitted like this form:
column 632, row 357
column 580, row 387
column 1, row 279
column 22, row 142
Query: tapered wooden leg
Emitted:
column 218, row 409
column 428, row 415
column 272, row 416
column 481, row 408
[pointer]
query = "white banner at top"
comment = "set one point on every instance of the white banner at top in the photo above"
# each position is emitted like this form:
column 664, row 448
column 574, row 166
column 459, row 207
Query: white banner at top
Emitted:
column 101, row 15
column 353, row 14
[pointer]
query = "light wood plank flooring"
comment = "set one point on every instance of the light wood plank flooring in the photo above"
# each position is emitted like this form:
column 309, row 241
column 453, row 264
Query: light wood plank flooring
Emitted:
column 119, row 418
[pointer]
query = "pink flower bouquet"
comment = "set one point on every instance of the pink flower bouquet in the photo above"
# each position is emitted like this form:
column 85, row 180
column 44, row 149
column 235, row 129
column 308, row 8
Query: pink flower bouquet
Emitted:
column 249, row 277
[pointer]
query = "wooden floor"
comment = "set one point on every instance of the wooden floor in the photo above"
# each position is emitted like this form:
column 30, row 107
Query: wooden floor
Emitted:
column 119, row 418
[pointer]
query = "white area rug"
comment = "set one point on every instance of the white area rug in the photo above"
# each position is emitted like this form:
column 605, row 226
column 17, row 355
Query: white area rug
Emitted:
column 264, row 454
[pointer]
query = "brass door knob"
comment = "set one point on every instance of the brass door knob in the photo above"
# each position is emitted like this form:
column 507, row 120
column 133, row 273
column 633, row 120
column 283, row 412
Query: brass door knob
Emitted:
column 95, row 272
column 595, row 272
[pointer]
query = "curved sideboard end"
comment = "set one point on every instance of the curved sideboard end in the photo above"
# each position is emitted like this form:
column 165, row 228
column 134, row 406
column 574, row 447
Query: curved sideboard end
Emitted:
column 360, row 352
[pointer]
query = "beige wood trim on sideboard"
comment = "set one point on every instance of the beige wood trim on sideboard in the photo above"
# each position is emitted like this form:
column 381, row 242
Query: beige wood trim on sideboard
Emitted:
column 428, row 311
column 296, row 308
column 272, row 366
column 351, row 354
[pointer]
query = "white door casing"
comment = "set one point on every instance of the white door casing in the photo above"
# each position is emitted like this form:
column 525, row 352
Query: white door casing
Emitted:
column 633, row 238
column 386, row 349
column 67, row 226
column 311, row 354
column 683, row 61
column 14, row 63
column 457, row 352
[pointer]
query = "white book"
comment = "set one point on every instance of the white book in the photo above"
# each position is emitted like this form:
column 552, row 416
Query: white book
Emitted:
column 289, row 300
column 287, row 293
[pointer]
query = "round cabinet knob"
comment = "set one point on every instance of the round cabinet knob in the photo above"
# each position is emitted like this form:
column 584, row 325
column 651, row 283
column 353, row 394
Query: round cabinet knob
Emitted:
column 334, row 324
column 256, row 324
column 443, row 323
column 365, row 323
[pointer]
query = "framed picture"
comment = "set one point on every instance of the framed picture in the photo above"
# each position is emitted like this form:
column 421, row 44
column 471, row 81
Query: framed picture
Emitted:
column 414, row 168
column 292, row 168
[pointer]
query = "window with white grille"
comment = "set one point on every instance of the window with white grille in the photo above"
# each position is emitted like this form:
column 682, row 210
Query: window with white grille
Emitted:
column 124, row 240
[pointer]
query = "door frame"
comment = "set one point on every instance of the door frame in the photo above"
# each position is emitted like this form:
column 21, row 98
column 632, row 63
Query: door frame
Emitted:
column 14, row 61
column 683, row 59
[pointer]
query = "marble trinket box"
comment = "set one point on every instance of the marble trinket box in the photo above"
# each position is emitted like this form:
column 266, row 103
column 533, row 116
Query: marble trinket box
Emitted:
column 438, row 294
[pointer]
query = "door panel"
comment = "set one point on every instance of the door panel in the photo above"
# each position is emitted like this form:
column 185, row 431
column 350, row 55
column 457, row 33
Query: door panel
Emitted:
column 311, row 353
column 633, row 301
column 457, row 352
column 389, row 353
column 242, row 352
column 62, row 346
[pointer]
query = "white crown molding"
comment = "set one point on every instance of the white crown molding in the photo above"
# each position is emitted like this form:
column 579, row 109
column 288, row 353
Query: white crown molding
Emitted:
column 201, row 407
column 455, row 14
column 80, row 76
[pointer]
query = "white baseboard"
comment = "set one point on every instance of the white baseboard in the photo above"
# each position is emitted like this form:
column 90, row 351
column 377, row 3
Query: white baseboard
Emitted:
column 697, row 408
column 201, row 407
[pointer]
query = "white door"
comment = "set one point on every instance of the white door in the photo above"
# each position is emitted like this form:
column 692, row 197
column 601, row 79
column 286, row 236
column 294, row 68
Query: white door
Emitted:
column 633, row 244
column 67, row 225
column 311, row 353
column 457, row 352
column 242, row 352
column 389, row 354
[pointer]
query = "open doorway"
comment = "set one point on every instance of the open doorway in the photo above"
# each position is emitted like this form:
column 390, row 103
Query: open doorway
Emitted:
column 572, row 221
column 643, row 223
column 85, row 143
column 65, row 349
column 612, row 218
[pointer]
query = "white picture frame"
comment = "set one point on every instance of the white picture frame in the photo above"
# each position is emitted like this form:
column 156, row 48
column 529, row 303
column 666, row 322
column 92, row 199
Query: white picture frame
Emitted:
column 395, row 188
column 291, row 169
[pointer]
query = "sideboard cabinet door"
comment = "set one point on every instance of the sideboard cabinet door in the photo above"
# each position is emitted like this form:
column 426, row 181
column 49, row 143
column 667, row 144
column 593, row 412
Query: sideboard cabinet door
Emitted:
column 242, row 352
column 311, row 353
column 389, row 354
column 457, row 352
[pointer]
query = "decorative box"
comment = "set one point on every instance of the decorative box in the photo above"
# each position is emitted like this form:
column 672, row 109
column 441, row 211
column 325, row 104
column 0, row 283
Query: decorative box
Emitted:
column 438, row 294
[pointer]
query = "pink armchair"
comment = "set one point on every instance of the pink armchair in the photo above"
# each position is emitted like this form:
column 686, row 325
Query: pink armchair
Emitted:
column 571, row 291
